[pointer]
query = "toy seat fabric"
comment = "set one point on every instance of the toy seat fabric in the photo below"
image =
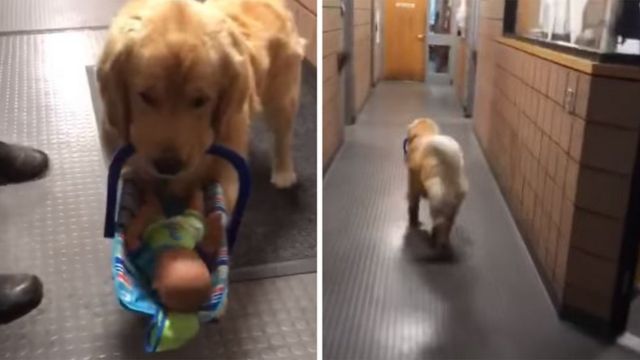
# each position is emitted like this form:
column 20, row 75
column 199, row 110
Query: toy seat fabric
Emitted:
column 167, row 330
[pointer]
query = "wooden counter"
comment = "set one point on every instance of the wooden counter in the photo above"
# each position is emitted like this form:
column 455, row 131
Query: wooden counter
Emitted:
column 574, row 62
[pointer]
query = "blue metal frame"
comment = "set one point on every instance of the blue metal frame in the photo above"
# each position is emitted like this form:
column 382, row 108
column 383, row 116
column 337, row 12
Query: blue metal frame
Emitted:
column 405, row 142
column 238, row 163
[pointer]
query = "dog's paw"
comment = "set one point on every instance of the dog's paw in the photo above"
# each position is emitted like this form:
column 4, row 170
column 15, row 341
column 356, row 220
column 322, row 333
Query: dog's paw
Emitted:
column 283, row 180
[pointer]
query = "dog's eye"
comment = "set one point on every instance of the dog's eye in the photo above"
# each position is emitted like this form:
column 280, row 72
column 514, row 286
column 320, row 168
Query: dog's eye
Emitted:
column 147, row 98
column 199, row 102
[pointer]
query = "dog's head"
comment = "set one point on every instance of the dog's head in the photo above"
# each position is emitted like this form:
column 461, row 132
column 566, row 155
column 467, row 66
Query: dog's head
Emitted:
column 421, row 127
column 172, row 76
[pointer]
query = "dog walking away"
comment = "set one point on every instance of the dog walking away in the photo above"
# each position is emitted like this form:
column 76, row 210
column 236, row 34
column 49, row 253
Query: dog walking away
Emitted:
column 436, row 172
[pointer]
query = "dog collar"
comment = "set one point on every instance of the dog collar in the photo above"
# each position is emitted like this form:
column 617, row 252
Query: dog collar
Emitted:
column 405, row 143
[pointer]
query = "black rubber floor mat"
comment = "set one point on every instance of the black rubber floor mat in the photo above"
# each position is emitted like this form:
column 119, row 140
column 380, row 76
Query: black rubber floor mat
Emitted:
column 280, row 225
column 40, row 15
column 278, row 233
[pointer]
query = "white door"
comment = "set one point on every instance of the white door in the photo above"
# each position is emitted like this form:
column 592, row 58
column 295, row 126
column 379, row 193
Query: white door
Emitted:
column 441, row 41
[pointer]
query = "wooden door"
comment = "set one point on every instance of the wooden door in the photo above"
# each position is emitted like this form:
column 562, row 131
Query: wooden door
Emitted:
column 404, row 39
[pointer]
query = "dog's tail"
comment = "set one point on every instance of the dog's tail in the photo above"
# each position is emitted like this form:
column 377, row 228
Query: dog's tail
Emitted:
column 449, row 156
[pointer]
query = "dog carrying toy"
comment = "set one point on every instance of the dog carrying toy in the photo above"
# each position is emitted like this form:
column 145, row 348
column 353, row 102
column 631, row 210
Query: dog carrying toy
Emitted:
column 170, row 330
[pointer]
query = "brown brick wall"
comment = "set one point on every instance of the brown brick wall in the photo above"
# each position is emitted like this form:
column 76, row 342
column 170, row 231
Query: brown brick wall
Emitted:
column 565, row 166
column 362, row 32
column 562, row 144
column 489, row 27
column 332, row 118
column 304, row 12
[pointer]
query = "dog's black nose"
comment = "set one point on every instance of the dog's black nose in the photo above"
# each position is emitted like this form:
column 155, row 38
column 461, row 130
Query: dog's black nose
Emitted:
column 168, row 165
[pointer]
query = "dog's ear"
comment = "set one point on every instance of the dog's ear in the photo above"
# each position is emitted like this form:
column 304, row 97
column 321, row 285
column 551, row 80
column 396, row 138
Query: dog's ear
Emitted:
column 112, row 79
column 236, row 96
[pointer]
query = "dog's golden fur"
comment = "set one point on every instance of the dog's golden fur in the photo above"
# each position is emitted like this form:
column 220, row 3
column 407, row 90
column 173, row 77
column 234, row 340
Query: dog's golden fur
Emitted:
column 177, row 75
column 435, row 172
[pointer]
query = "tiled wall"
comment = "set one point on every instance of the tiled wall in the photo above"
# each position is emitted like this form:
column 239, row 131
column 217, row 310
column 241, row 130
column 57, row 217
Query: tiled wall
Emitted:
column 304, row 12
column 489, row 27
column 362, row 50
column 563, row 161
column 361, row 54
column 332, row 119
column 562, row 145
column 460, row 73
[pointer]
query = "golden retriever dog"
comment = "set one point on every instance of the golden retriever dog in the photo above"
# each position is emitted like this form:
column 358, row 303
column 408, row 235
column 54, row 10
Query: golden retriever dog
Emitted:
column 176, row 76
column 435, row 166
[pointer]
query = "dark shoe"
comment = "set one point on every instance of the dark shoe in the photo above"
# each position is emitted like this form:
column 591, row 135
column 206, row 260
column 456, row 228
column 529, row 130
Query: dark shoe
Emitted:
column 21, row 163
column 19, row 294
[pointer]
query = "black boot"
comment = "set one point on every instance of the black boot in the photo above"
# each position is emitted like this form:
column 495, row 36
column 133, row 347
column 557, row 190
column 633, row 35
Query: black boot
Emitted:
column 21, row 163
column 19, row 294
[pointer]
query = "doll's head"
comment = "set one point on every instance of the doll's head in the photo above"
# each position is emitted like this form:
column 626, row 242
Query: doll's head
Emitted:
column 182, row 280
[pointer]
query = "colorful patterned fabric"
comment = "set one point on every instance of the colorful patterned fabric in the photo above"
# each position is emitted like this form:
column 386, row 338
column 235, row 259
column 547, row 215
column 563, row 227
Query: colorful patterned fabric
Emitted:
column 181, row 231
column 132, row 286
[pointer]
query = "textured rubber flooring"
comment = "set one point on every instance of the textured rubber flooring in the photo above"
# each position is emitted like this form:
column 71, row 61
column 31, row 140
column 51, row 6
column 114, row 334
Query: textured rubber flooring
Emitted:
column 53, row 228
column 382, row 296
column 280, row 225
column 40, row 15
column 266, row 319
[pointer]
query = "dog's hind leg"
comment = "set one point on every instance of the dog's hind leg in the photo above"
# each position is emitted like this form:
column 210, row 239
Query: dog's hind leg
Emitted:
column 280, row 104
column 414, row 210
column 441, row 231
column 443, row 218
column 280, row 118
column 413, row 199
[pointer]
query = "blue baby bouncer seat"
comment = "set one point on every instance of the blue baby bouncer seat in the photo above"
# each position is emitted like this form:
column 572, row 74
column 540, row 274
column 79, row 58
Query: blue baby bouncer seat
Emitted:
column 169, row 331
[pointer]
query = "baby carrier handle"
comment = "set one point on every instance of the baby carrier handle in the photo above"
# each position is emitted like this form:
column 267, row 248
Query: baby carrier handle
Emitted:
column 238, row 163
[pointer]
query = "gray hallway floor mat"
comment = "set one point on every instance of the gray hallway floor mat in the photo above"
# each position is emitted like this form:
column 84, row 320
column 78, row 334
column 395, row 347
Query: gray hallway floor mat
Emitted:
column 384, row 298
column 280, row 225
column 42, row 15
column 53, row 228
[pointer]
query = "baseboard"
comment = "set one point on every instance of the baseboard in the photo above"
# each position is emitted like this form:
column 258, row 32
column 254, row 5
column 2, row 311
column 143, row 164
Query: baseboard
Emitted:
column 286, row 268
column 326, row 167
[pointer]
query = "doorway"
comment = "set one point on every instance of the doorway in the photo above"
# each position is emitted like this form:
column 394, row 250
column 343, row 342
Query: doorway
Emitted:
column 405, row 39
column 441, row 41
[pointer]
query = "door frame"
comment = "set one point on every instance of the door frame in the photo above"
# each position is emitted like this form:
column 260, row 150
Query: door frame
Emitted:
column 473, row 14
column 449, row 40
column 375, row 30
column 348, row 92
